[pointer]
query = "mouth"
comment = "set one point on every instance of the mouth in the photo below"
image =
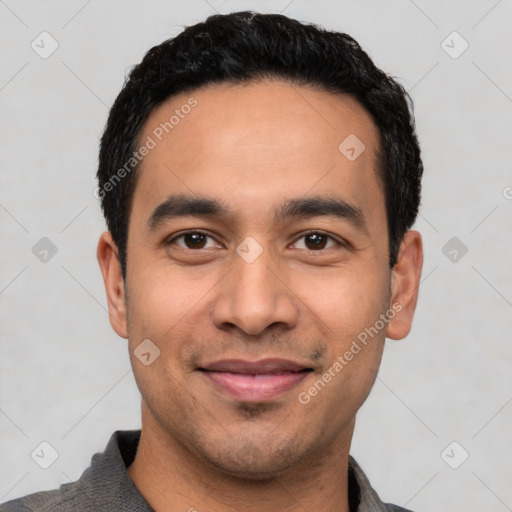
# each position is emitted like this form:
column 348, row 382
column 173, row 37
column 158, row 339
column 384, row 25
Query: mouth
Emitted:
column 258, row 381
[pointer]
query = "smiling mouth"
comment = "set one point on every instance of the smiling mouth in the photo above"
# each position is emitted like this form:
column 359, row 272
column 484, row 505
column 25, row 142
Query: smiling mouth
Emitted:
column 255, row 381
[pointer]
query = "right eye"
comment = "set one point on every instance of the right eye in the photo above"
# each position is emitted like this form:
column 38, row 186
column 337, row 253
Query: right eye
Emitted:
column 192, row 240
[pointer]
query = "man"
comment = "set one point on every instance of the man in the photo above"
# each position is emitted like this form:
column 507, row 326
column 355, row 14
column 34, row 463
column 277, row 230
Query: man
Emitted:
column 259, row 178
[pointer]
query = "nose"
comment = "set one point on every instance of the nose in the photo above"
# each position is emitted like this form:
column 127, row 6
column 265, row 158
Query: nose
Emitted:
column 253, row 296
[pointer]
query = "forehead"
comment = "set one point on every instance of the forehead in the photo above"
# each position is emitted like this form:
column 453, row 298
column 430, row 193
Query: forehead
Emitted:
column 259, row 142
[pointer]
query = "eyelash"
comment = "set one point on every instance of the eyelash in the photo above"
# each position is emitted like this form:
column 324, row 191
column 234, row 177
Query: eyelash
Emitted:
column 312, row 232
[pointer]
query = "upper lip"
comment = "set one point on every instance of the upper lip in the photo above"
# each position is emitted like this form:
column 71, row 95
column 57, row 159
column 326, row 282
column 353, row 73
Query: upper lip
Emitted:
column 262, row 367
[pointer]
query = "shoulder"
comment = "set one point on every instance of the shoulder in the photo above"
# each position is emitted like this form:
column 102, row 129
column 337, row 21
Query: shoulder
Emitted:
column 104, row 486
column 65, row 499
column 367, row 499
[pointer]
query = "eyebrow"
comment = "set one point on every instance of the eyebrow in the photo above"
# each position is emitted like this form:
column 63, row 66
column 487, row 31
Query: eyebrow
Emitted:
column 180, row 205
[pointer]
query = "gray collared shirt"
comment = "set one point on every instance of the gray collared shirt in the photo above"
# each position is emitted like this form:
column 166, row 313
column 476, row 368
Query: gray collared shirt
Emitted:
column 106, row 487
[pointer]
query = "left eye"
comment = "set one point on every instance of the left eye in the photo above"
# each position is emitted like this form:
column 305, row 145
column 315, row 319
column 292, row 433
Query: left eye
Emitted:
column 316, row 241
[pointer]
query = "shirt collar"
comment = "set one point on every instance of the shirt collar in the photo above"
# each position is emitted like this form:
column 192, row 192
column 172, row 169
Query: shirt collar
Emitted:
column 120, row 453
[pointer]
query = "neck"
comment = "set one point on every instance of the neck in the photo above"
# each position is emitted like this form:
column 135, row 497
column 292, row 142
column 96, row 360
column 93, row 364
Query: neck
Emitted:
column 172, row 478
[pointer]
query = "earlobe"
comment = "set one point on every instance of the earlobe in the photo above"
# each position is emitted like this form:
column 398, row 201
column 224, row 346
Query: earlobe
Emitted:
column 108, row 259
column 405, row 280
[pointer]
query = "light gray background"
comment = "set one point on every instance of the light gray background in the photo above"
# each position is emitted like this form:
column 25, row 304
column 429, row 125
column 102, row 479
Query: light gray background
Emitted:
column 65, row 375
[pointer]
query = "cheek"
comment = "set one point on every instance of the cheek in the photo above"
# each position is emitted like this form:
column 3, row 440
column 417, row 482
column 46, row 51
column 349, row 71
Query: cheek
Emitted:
column 162, row 299
column 171, row 308
column 347, row 301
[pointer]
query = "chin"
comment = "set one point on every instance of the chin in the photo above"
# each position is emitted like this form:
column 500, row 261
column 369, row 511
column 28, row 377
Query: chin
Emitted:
column 245, row 459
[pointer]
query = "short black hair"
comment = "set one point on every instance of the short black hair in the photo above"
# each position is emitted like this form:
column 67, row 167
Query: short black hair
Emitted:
column 248, row 46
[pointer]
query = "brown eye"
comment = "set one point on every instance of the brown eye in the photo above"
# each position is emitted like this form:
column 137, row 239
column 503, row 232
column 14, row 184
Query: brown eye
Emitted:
column 192, row 240
column 316, row 241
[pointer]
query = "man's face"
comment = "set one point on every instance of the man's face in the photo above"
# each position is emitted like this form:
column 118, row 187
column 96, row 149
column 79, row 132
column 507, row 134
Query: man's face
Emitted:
column 254, row 285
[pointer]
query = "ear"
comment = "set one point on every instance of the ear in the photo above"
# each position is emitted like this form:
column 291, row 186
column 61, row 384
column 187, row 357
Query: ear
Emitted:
column 108, row 259
column 405, row 281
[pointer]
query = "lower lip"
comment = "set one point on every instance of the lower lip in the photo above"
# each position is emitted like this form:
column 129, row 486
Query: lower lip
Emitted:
column 255, row 388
